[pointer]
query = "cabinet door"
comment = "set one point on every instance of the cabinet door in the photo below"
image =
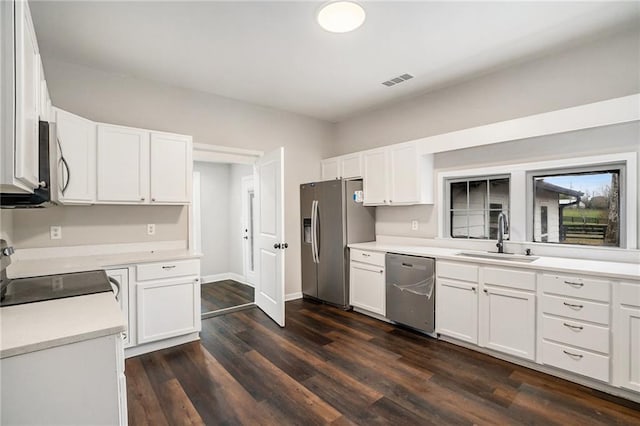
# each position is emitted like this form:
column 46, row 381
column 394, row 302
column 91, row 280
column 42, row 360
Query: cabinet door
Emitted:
column 628, row 344
column 507, row 321
column 351, row 166
column 77, row 146
column 167, row 309
column 121, row 276
column 330, row 169
column 403, row 165
column 170, row 168
column 366, row 287
column 123, row 165
column 457, row 310
column 375, row 177
column 27, row 76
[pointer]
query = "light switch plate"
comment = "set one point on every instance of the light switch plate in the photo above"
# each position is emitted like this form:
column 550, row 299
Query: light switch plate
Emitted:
column 151, row 229
column 414, row 225
column 55, row 232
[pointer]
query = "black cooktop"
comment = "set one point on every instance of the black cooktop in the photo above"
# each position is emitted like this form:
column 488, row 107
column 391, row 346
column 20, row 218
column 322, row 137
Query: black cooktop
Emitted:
column 49, row 287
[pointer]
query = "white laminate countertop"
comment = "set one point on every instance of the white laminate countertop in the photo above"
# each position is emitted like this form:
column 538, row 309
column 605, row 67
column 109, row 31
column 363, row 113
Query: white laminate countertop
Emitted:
column 617, row 270
column 36, row 326
column 62, row 265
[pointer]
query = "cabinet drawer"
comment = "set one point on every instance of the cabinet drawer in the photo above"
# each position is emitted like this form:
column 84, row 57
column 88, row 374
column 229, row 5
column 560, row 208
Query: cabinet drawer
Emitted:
column 576, row 360
column 159, row 270
column 576, row 309
column 630, row 294
column 575, row 333
column 370, row 257
column 575, row 286
column 457, row 271
column 512, row 278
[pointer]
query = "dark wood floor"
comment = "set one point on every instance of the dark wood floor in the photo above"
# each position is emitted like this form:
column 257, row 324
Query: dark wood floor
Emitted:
column 330, row 366
column 224, row 294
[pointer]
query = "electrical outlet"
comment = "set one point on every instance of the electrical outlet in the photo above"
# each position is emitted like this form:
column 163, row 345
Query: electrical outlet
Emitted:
column 55, row 232
column 414, row 225
column 151, row 229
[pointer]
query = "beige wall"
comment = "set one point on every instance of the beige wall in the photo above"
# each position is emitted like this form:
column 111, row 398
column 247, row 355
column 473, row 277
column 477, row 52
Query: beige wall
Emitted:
column 98, row 225
column 602, row 69
column 209, row 119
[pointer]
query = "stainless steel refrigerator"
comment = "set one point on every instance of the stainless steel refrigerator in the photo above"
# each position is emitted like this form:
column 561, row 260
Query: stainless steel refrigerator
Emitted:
column 331, row 219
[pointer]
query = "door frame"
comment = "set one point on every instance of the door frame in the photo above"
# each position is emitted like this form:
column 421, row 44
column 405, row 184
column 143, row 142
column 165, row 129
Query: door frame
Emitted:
column 248, row 229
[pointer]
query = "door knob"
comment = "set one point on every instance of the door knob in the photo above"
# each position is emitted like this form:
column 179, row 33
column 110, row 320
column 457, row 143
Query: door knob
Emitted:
column 276, row 246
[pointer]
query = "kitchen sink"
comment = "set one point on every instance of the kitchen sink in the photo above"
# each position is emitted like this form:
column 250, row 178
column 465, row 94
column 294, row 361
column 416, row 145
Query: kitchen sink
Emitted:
column 510, row 257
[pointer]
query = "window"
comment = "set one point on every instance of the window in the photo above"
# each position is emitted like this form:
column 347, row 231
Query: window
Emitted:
column 578, row 207
column 474, row 206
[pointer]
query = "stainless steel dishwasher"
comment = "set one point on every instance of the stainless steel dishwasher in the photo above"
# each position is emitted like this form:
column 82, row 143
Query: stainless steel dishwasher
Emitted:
column 411, row 291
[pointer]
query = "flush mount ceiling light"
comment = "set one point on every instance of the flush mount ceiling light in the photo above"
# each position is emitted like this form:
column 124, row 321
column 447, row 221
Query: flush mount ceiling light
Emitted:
column 341, row 16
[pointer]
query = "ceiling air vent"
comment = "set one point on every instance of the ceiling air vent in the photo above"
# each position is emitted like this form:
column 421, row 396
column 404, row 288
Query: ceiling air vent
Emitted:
column 397, row 80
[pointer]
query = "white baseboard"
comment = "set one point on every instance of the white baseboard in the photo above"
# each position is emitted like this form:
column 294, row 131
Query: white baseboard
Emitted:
column 225, row 276
column 293, row 296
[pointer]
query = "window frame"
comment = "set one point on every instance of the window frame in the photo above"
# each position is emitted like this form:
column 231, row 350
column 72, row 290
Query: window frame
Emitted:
column 621, row 167
column 521, row 196
column 486, row 211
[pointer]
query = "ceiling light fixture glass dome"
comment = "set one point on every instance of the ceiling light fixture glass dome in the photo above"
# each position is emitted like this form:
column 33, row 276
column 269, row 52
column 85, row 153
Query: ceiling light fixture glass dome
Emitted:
column 341, row 16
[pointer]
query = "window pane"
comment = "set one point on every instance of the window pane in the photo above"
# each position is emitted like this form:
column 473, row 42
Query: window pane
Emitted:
column 459, row 227
column 478, row 195
column 478, row 224
column 578, row 208
column 499, row 192
column 459, row 195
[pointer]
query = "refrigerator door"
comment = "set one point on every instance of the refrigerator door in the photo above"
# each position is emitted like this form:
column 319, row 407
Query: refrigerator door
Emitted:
column 309, row 267
column 331, row 243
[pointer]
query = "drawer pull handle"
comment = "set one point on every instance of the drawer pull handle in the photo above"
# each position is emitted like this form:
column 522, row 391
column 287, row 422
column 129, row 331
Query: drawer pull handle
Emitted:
column 365, row 255
column 574, row 327
column 474, row 289
column 573, row 355
column 169, row 267
column 571, row 305
column 381, row 271
column 574, row 283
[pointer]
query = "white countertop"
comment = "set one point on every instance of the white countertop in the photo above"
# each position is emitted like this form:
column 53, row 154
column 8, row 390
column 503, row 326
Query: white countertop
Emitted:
column 583, row 266
column 36, row 326
column 62, row 265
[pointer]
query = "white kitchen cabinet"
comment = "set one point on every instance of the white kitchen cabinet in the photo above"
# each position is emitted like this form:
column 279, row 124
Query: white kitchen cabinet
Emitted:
column 121, row 278
column 398, row 175
column 626, row 364
column 122, row 165
column 457, row 309
column 367, row 287
column 170, row 168
column 508, row 321
column 81, row 383
column 21, row 99
column 457, row 300
column 167, row 300
column 77, row 147
column 344, row 167
column 376, row 177
column 507, row 311
column 330, row 169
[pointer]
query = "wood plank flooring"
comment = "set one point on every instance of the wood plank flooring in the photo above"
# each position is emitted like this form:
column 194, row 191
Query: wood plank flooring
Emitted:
column 328, row 366
column 224, row 294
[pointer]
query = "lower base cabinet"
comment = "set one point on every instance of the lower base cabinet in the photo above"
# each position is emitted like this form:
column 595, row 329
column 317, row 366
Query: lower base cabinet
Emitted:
column 457, row 310
column 81, row 383
column 367, row 287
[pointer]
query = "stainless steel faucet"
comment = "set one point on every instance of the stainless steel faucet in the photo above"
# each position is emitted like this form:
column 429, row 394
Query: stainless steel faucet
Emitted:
column 503, row 223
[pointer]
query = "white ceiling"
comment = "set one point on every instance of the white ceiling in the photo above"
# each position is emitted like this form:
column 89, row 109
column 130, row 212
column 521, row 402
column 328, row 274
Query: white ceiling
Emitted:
column 273, row 53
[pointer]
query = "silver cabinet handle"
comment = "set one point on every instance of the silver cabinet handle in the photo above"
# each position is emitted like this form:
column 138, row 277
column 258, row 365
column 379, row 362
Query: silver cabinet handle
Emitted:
column 573, row 327
column 486, row 291
column 366, row 255
column 573, row 283
column 169, row 267
column 381, row 271
column 141, row 198
column 571, row 305
column 474, row 289
column 573, row 355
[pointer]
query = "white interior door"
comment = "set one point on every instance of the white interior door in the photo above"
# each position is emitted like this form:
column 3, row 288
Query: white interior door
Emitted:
column 248, row 229
column 269, row 234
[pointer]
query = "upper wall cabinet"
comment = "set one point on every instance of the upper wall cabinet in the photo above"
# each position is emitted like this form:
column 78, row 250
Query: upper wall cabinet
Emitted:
column 398, row 175
column 20, row 78
column 123, row 165
column 344, row 167
column 170, row 152
column 76, row 158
